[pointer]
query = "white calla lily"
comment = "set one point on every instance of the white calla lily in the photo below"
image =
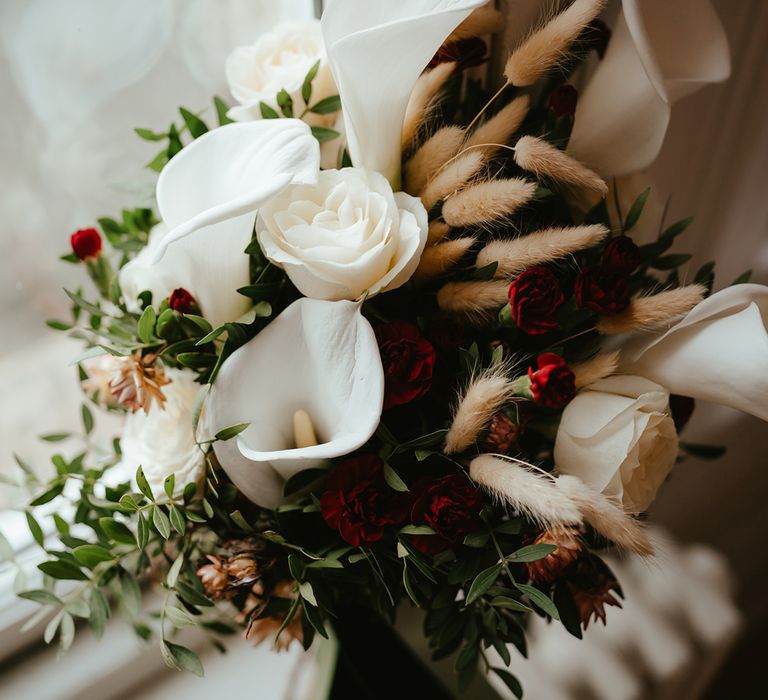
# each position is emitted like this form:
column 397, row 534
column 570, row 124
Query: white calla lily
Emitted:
column 317, row 356
column 659, row 52
column 377, row 49
column 718, row 352
column 229, row 172
column 192, row 263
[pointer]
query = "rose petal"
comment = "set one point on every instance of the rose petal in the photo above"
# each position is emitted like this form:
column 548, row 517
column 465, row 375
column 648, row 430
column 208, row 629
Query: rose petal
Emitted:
column 230, row 171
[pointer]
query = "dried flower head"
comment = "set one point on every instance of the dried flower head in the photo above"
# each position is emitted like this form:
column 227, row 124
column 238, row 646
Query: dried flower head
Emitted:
column 593, row 586
column 267, row 627
column 138, row 381
column 569, row 547
column 214, row 577
column 502, row 435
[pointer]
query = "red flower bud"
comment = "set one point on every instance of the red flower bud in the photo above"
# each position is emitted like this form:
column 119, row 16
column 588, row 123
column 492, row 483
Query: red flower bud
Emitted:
column 86, row 243
column 534, row 297
column 622, row 254
column 562, row 101
column 182, row 301
column 602, row 289
column 552, row 384
column 408, row 361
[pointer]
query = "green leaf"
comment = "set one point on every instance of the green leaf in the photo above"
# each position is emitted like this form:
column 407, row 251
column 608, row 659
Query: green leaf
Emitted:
column 99, row 613
column 486, row 272
column 267, row 112
column 90, row 555
column 509, row 603
column 173, row 572
column 307, row 592
column 42, row 597
column 55, row 437
column 143, row 484
column 510, row 681
column 128, row 502
column 323, row 133
column 329, row 105
column 146, row 325
column 703, row 451
column 417, row 530
column 393, row 480
column 61, row 569
column 58, row 325
column 186, row 658
column 306, row 87
column 285, row 102
column 179, row 618
column 52, row 627
column 195, row 125
column 532, row 552
column 539, row 599
column 675, row 230
column 131, row 594
column 669, row 262
column 483, row 581
column 87, row 419
column 79, row 608
column 221, row 111
column 116, row 531
column 636, row 210
column 149, row 135
column 35, row 529
column 177, row 520
column 158, row 162
column 169, row 484
column 743, row 278
column 232, row 431
column 161, row 522
column 48, row 495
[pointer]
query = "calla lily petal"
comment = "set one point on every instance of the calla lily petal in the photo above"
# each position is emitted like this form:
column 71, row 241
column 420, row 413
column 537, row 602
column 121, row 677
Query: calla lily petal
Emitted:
column 660, row 51
column 718, row 352
column 377, row 49
column 192, row 263
column 231, row 171
column 318, row 356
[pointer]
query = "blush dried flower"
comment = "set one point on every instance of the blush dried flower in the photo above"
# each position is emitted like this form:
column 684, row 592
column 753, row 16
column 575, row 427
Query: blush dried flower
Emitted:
column 138, row 381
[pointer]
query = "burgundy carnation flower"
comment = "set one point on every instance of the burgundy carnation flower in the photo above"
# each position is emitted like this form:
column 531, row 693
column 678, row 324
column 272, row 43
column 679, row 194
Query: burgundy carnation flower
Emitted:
column 602, row 289
column 562, row 101
column 408, row 360
column 181, row 300
column 534, row 297
column 552, row 384
column 358, row 502
column 622, row 254
column 86, row 243
column 450, row 506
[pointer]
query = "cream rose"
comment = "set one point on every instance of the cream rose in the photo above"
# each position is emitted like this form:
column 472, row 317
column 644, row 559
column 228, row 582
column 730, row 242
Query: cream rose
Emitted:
column 344, row 236
column 279, row 60
column 162, row 441
column 617, row 436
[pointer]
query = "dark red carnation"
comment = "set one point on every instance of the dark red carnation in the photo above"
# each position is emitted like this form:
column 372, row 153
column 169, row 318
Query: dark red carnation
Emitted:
column 552, row 384
column 562, row 101
column 408, row 360
column 181, row 300
column 622, row 254
column 358, row 502
column 465, row 52
column 450, row 506
column 86, row 243
column 534, row 298
column 602, row 289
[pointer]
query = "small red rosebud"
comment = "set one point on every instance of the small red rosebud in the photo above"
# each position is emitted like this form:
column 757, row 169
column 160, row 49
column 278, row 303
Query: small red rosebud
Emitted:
column 553, row 384
column 534, row 298
column 622, row 254
column 602, row 289
column 182, row 301
column 86, row 243
column 562, row 101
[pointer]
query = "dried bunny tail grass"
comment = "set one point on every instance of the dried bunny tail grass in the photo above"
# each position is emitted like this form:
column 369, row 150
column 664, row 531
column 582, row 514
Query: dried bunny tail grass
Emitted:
column 528, row 492
column 653, row 312
column 440, row 258
column 517, row 254
column 452, row 177
column 606, row 517
column 438, row 230
column 595, row 369
column 546, row 46
column 487, row 201
column 432, row 155
column 500, row 127
column 483, row 397
column 424, row 90
column 544, row 159
column 473, row 298
column 484, row 20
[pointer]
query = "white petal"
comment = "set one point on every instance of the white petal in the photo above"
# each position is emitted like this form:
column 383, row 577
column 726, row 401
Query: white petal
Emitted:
column 659, row 52
column 718, row 352
column 231, row 171
column 377, row 50
column 317, row 356
column 199, row 265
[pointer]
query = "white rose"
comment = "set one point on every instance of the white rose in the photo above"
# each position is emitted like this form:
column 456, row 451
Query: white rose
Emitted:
column 346, row 235
column 617, row 436
column 279, row 60
column 162, row 441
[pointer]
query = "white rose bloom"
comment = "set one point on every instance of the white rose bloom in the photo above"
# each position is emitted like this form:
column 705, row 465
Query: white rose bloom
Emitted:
column 162, row 441
column 279, row 60
column 617, row 436
column 348, row 234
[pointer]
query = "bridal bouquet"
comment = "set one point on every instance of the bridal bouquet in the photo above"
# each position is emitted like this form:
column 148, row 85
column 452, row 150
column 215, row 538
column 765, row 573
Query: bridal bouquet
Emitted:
column 387, row 339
